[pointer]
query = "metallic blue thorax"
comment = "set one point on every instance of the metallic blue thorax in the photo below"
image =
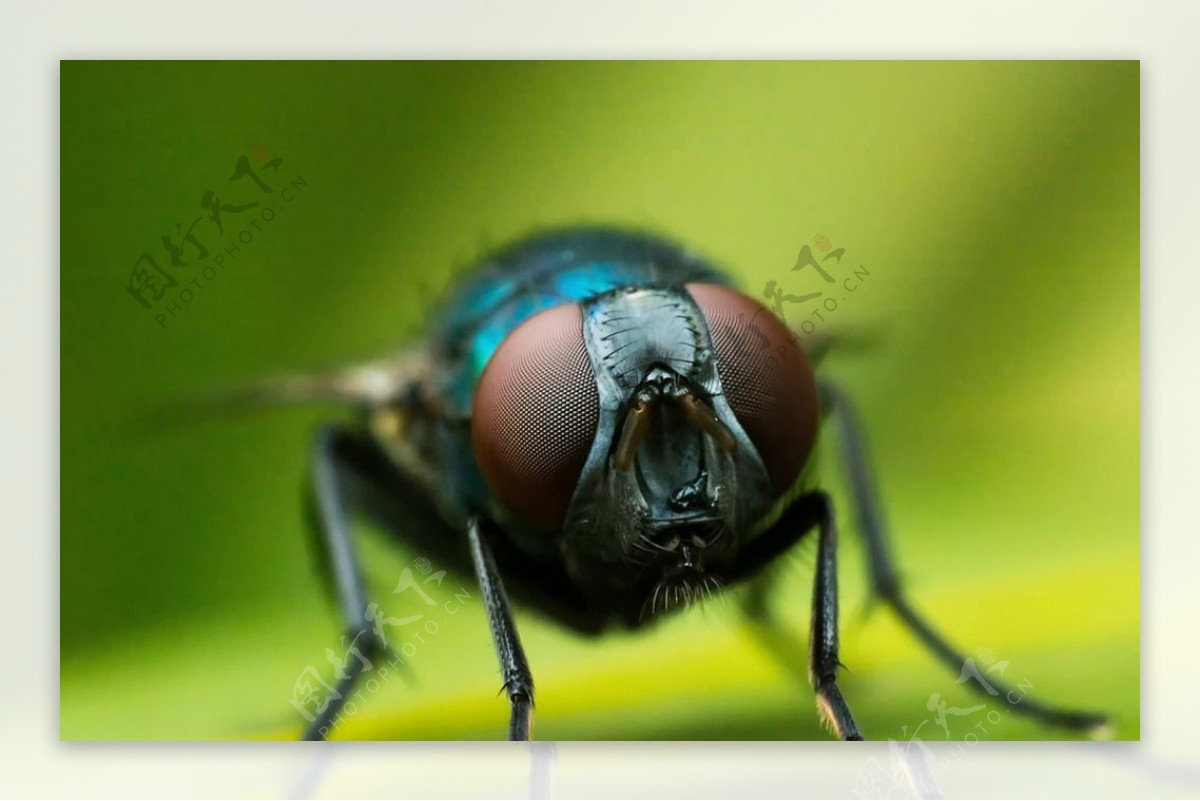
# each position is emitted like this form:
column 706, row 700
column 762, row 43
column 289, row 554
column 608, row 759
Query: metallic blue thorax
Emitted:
column 540, row 272
column 506, row 289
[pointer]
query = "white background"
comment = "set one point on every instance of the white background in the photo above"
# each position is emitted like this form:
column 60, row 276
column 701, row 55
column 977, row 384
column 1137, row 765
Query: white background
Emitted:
column 1161, row 34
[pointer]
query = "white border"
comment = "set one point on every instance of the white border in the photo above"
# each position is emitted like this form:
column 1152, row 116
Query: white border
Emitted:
column 1160, row 34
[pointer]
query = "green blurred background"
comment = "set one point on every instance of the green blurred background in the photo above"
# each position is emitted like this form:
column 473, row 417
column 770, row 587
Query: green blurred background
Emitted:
column 994, row 204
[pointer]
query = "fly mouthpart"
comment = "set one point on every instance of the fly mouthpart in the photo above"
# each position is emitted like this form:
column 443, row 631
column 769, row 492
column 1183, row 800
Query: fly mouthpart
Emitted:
column 692, row 495
column 685, row 557
column 661, row 385
column 633, row 431
column 704, row 418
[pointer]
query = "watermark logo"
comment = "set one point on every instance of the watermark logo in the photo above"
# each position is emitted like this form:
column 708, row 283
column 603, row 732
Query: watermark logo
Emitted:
column 377, row 656
column 193, row 256
column 914, row 769
column 815, row 307
column 822, row 305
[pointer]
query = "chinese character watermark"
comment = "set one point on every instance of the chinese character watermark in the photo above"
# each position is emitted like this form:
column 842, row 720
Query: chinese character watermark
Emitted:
column 815, row 306
column 392, row 640
column 915, row 770
column 820, row 306
column 164, row 283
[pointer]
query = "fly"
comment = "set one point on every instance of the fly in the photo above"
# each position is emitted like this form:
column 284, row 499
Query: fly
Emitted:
column 601, row 425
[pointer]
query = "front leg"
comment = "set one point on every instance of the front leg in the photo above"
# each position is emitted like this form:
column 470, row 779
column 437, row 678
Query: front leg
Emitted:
column 823, row 661
column 518, row 681
column 805, row 512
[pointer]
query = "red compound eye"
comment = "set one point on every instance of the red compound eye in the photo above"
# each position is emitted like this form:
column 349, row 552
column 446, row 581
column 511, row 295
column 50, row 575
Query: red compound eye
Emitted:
column 535, row 415
column 767, row 379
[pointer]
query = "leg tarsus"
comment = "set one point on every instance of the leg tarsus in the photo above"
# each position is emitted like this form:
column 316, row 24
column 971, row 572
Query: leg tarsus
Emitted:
column 334, row 466
column 520, row 724
column 886, row 585
column 370, row 648
column 800, row 516
column 824, row 662
column 835, row 710
column 518, row 680
column 329, row 497
column 1092, row 722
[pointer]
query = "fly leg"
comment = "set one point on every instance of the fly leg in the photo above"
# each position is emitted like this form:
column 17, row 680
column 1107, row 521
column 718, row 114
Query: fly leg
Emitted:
column 807, row 511
column 349, row 472
column 518, row 681
column 886, row 584
column 823, row 662
column 331, row 466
